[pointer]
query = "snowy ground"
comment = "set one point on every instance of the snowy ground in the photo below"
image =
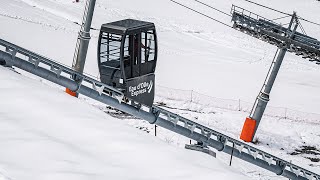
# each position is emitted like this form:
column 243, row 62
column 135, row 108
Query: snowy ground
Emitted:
column 212, row 59
column 295, row 141
column 46, row 134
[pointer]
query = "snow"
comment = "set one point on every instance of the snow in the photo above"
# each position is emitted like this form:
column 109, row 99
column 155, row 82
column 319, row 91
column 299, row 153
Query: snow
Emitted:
column 47, row 134
column 278, row 136
column 212, row 59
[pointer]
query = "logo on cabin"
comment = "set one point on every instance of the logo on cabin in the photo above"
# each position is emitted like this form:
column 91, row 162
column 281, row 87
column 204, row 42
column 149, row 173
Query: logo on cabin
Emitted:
column 150, row 86
column 141, row 88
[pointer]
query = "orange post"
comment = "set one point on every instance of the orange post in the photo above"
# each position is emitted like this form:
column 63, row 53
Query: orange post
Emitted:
column 248, row 130
column 68, row 91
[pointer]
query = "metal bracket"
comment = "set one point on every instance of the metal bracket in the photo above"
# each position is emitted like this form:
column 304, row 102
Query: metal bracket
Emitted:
column 56, row 70
column 156, row 113
column 254, row 154
column 239, row 147
column 35, row 62
column 136, row 105
column 79, row 82
column 310, row 176
column 223, row 141
column 119, row 97
column 296, row 172
column 191, row 127
column 98, row 89
column 282, row 165
column 206, row 133
column 267, row 159
column 263, row 96
column 13, row 53
column 174, row 120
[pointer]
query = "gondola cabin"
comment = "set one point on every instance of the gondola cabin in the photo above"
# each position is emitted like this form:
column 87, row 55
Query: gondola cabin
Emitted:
column 127, row 58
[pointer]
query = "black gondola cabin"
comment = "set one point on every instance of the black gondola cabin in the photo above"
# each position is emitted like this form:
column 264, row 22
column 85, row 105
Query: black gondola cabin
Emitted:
column 127, row 57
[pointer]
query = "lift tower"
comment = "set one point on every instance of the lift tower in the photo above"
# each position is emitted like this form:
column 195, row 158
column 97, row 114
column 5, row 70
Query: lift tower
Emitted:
column 81, row 50
column 286, row 39
column 263, row 96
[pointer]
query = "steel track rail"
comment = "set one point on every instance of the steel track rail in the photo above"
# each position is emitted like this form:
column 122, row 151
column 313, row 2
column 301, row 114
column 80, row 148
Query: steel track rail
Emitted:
column 48, row 69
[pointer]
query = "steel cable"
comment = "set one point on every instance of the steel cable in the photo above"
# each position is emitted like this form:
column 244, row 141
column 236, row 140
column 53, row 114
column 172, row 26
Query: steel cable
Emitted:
column 268, row 7
column 213, row 8
column 201, row 13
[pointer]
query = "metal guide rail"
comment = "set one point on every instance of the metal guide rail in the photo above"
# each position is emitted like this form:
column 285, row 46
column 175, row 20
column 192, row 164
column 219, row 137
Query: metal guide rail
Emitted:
column 57, row 68
column 50, row 70
column 275, row 34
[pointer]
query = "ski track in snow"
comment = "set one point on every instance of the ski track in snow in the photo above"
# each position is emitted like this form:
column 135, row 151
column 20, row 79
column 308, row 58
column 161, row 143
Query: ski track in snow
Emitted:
column 50, row 10
column 61, row 28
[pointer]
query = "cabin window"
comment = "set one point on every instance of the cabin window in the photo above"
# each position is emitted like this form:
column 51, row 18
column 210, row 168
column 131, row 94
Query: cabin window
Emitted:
column 110, row 48
column 148, row 48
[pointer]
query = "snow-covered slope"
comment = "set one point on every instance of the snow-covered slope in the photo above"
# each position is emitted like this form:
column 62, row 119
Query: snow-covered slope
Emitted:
column 46, row 134
column 195, row 54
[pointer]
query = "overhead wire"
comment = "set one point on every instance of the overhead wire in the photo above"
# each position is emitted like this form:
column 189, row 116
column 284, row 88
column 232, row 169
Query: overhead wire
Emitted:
column 287, row 14
column 281, row 17
column 213, row 8
column 285, row 24
column 208, row 15
column 299, row 23
column 268, row 7
column 308, row 21
column 282, row 12
column 201, row 13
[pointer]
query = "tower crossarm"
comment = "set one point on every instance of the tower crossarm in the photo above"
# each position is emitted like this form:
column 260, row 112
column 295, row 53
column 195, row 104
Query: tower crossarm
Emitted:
column 275, row 33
